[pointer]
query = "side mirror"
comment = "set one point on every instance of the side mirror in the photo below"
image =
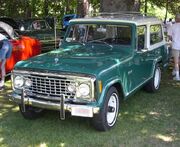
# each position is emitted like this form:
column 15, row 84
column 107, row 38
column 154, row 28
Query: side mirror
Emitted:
column 69, row 39
column 142, row 50
column 22, row 28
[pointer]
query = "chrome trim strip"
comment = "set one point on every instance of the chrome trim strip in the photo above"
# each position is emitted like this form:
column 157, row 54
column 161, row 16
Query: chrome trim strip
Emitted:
column 60, row 74
column 126, row 94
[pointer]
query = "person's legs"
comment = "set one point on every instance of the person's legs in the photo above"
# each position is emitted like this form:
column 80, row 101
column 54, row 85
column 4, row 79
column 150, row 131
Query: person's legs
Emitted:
column 174, row 71
column 3, row 72
column 176, row 55
column 3, row 53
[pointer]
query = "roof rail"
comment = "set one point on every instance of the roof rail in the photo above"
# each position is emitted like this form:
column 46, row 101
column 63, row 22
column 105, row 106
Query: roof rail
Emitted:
column 118, row 14
column 129, row 15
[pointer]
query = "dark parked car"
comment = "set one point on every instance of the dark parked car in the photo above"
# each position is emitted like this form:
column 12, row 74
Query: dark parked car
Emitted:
column 24, row 47
column 37, row 28
column 40, row 29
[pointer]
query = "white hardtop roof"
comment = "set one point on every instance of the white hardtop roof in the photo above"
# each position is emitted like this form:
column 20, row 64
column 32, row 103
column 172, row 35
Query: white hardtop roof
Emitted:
column 136, row 18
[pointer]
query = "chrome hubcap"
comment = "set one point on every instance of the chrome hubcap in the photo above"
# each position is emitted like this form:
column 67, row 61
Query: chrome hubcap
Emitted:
column 113, row 106
column 157, row 78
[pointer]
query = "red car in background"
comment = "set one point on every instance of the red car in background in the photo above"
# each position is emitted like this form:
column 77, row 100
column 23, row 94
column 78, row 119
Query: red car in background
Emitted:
column 24, row 47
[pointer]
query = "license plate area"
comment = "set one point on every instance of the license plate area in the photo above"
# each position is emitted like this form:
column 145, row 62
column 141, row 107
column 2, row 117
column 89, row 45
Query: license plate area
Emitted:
column 82, row 111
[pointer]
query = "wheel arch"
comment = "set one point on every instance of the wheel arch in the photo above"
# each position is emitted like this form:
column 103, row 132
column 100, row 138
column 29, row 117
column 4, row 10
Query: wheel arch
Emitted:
column 119, row 88
column 115, row 83
column 156, row 61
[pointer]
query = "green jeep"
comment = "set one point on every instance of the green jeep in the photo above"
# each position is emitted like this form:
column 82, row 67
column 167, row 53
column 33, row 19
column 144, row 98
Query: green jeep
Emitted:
column 101, row 61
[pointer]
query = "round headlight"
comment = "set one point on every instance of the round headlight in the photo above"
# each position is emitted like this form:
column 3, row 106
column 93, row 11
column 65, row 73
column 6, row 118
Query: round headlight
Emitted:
column 71, row 88
column 84, row 89
column 18, row 81
column 28, row 82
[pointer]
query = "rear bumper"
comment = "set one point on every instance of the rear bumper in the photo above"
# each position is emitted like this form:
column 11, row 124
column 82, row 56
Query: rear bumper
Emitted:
column 76, row 110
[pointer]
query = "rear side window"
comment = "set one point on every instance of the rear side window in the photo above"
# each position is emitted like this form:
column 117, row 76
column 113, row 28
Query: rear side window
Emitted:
column 155, row 34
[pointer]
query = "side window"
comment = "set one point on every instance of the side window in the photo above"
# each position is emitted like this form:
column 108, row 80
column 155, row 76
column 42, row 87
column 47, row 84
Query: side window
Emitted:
column 141, row 32
column 155, row 34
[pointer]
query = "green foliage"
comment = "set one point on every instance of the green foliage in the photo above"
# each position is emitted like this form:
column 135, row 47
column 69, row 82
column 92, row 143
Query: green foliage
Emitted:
column 154, row 10
column 18, row 8
column 158, row 8
column 43, row 8
column 173, row 5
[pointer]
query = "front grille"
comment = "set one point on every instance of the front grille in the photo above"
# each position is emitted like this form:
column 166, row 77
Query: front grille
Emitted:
column 49, row 87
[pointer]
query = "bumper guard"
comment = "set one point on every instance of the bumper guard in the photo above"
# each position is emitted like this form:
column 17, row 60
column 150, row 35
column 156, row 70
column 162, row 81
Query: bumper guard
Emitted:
column 75, row 109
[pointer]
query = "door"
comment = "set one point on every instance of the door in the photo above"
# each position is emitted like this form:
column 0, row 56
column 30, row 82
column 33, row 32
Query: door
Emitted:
column 142, row 61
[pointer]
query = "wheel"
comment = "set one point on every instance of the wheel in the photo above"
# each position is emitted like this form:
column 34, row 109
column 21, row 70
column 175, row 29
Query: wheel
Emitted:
column 154, row 84
column 31, row 112
column 107, row 116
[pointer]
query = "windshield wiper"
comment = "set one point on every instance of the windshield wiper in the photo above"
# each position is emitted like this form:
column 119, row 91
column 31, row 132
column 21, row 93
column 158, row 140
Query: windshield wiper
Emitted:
column 100, row 41
column 82, row 43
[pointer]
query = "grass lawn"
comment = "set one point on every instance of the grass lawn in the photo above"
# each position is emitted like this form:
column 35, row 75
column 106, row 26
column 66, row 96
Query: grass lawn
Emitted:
column 145, row 120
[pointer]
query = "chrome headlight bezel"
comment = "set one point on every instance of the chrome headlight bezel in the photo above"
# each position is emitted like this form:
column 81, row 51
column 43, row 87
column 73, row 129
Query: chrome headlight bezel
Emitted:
column 18, row 82
column 83, row 90
column 24, row 82
column 28, row 83
column 71, row 88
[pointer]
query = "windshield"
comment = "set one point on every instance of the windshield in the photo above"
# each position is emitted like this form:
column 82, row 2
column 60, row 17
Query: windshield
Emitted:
column 97, row 33
column 26, row 25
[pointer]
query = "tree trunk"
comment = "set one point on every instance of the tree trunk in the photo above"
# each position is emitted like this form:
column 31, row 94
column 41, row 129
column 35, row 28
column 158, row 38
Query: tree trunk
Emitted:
column 166, row 11
column 119, row 5
column 82, row 7
column 27, row 9
column 67, row 9
column 46, row 10
column 145, row 7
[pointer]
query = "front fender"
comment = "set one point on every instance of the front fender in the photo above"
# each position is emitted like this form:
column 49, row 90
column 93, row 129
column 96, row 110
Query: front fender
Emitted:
column 106, row 87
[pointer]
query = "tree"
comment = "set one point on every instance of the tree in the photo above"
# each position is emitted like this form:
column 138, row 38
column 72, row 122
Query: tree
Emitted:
column 82, row 7
column 119, row 5
column 172, row 6
column 57, row 8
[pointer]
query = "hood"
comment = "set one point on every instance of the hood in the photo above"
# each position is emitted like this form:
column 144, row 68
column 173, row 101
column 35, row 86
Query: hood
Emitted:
column 80, row 59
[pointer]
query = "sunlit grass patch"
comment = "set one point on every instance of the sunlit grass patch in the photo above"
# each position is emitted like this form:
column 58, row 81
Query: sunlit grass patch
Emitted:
column 164, row 137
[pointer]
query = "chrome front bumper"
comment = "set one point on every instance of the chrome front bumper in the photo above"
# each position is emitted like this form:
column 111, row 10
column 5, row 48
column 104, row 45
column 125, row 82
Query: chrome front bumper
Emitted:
column 76, row 110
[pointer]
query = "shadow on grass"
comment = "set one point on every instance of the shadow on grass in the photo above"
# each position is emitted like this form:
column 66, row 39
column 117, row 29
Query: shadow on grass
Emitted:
column 145, row 119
